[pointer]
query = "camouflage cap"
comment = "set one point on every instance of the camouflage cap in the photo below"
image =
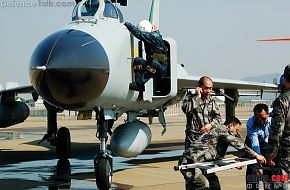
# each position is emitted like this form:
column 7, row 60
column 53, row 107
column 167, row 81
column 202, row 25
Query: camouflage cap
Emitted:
column 287, row 72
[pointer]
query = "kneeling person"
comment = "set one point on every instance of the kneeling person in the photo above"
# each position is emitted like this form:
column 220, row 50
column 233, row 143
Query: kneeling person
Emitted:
column 213, row 146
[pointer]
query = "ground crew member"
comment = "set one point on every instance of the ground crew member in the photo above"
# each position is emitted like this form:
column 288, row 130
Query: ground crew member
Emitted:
column 155, row 65
column 258, row 127
column 212, row 146
column 202, row 112
column 281, row 85
column 279, row 138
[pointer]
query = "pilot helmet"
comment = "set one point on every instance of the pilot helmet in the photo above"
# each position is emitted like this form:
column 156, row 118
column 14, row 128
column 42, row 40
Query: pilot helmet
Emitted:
column 145, row 26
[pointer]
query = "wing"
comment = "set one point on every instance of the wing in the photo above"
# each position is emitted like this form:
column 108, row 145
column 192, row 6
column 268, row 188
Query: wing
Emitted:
column 18, row 90
column 185, row 81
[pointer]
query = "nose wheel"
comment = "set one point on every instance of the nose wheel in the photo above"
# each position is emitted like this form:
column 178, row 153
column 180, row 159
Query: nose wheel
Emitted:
column 103, row 172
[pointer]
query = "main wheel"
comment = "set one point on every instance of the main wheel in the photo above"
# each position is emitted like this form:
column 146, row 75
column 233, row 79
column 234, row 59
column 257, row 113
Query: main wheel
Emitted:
column 63, row 143
column 103, row 172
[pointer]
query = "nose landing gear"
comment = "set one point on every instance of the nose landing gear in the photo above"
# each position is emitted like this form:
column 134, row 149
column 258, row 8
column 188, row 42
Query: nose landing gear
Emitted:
column 103, row 162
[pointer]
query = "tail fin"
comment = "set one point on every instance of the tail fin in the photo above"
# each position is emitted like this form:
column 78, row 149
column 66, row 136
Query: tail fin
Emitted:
column 154, row 14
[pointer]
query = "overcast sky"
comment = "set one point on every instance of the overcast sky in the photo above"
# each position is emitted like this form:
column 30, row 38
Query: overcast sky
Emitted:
column 214, row 37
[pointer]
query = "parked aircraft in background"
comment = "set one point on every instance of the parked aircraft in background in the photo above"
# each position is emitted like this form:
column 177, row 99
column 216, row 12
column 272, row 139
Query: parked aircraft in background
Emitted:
column 87, row 65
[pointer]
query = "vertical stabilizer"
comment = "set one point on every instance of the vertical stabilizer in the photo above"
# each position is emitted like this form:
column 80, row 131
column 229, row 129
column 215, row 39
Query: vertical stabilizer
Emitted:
column 154, row 14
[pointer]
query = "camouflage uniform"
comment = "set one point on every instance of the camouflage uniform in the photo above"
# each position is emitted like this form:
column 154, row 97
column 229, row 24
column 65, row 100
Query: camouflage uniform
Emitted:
column 210, row 146
column 279, row 138
column 198, row 113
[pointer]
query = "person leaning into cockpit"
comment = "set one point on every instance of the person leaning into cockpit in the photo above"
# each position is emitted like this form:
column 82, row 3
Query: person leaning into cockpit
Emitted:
column 155, row 65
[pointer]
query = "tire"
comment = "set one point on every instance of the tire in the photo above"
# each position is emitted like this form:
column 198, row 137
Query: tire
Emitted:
column 103, row 172
column 63, row 143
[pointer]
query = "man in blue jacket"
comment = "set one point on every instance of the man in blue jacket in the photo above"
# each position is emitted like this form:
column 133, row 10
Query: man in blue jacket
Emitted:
column 258, row 127
column 155, row 65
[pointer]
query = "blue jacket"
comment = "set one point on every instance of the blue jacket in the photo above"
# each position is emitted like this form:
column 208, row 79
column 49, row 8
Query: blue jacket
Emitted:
column 258, row 134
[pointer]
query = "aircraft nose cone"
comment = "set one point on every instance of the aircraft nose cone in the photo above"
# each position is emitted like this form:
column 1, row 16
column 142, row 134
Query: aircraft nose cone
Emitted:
column 69, row 69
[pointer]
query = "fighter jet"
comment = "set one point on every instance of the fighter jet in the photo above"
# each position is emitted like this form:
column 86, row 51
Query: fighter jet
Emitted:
column 87, row 65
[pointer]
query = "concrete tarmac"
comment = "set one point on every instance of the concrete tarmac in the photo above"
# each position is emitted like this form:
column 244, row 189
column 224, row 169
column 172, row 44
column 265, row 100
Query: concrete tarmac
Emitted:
column 25, row 164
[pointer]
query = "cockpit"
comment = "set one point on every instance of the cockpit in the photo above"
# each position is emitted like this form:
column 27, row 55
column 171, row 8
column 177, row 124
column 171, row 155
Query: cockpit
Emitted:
column 90, row 7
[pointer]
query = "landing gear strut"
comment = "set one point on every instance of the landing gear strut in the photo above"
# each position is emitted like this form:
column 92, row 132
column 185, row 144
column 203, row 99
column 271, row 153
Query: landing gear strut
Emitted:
column 50, row 135
column 231, row 104
column 103, row 162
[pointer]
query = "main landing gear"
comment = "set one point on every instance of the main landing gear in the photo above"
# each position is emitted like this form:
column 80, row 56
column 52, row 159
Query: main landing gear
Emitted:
column 59, row 138
column 103, row 162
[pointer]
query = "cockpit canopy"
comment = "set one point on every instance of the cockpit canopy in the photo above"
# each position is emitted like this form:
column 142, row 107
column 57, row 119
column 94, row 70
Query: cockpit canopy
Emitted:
column 90, row 7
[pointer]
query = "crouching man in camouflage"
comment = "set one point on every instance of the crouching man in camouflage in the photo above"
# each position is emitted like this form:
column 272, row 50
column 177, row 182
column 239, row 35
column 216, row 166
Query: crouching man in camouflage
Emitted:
column 212, row 146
